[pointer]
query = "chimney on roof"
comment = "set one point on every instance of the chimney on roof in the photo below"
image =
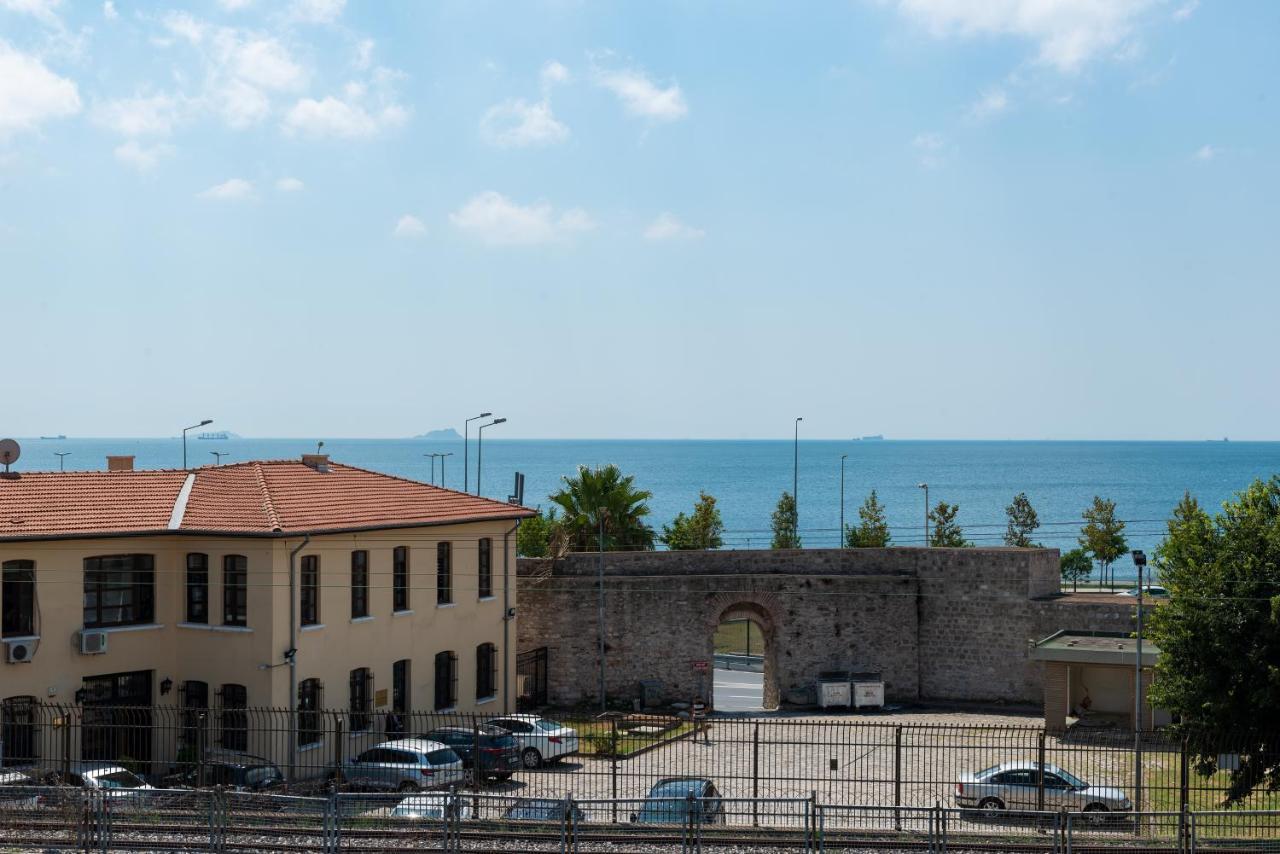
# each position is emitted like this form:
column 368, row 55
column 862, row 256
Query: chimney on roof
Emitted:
column 120, row 463
column 319, row 462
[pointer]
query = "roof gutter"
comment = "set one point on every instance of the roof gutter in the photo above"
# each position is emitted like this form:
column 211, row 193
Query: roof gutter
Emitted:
column 291, row 655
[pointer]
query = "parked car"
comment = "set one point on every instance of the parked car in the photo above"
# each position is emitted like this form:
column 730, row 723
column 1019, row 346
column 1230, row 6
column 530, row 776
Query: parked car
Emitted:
column 114, row 780
column 541, row 740
column 668, row 802
column 1155, row 591
column 15, row 791
column 406, row 765
column 435, row 807
column 239, row 772
column 543, row 809
column 1013, row 786
column 495, row 757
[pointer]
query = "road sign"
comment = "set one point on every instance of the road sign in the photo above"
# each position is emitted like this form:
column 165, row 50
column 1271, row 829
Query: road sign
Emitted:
column 700, row 664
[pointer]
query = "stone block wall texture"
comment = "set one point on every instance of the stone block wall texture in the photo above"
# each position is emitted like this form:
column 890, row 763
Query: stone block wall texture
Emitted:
column 940, row 624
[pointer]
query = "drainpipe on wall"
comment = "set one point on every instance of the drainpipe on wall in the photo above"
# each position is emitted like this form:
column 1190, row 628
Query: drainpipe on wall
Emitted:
column 292, row 655
column 506, row 618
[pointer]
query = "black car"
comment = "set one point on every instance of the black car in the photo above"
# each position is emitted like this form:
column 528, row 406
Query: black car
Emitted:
column 496, row 757
column 236, row 771
column 543, row 809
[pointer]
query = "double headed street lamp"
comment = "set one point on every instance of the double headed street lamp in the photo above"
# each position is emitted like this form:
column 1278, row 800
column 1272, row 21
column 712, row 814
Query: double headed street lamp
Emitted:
column 480, row 447
column 925, row 487
column 466, row 445
column 795, row 477
column 184, row 438
column 843, row 457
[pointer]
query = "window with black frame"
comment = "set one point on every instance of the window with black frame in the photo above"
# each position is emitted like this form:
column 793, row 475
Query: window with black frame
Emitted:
column 197, row 588
column 119, row 590
column 444, row 573
column 446, row 680
column 485, row 566
column 361, row 698
column 235, row 590
column 19, row 731
column 195, row 703
column 359, row 584
column 309, row 591
column 400, row 578
column 309, row 731
column 234, row 717
column 486, row 671
column 18, row 598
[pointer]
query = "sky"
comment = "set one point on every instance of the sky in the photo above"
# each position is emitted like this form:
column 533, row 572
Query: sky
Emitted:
column 920, row 218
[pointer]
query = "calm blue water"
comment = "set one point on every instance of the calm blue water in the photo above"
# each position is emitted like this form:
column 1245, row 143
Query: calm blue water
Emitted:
column 1144, row 478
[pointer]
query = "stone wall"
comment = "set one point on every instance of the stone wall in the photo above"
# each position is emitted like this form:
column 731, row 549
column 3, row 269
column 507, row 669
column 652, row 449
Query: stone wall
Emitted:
column 940, row 624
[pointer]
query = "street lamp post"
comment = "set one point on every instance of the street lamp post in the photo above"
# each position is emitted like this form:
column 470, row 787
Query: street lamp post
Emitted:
column 432, row 457
column 1139, row 561
column 925, row 487
column 480, row 447
column 466, row 445
column 61, row 460
column 795, row 477
column 442, row 456
column 843, row 457
column 218, row 455
column 184, row 439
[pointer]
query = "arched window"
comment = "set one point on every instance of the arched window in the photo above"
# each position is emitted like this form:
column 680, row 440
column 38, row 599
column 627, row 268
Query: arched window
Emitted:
column 400, row 578
column 234, row 717
column 361, row 698
column 309, row 731
column 486, row 671
column 235, row 590
column 444, row 573
column 446, row 680
column 195, row 702
column 359, row 584
column 18, row 598
column 197, row 588
column 485, row 567
column 309, row 593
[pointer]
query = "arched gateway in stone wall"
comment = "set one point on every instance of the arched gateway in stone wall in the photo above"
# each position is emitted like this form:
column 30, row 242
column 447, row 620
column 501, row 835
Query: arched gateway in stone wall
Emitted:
column 939, row 624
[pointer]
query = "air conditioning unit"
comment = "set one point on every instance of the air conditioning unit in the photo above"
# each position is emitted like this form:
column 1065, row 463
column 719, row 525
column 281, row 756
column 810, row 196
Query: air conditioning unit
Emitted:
column 20, row 651
column 93, row 643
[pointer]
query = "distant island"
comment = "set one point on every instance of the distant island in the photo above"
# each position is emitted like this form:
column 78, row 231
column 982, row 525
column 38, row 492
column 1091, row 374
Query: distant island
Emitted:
column 875, row 438
column 448, row 434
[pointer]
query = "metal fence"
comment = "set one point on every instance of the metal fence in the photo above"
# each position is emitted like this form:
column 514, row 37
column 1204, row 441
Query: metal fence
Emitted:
column 218, row 820
column 855, row 761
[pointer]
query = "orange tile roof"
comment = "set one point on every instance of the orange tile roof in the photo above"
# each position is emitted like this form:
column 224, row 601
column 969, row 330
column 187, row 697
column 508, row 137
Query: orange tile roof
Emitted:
column 267, row 498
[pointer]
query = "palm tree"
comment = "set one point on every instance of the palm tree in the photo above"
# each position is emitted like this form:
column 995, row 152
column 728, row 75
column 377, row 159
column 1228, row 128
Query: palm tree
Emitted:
column 603, row 493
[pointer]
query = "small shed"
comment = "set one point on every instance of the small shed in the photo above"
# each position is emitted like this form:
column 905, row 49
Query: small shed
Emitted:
column 1090, row 675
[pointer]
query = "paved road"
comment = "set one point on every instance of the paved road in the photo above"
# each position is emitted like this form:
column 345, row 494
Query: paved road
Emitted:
column 739, row 691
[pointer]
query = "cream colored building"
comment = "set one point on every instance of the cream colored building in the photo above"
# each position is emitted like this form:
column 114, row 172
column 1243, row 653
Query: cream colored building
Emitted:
column 295, row 586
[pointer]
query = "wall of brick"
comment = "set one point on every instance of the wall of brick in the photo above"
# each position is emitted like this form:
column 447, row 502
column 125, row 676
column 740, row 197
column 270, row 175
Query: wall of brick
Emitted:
column 940, row 624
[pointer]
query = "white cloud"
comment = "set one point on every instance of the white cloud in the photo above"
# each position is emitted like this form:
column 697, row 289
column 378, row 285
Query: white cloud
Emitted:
column 931, row 148
column 41, row 10
column 31, row 94
column 290, row 185
column 109, row 11
column 1186, row 10
column 316, row 11
column 264, row 62
column 516, row 123
column 235, row 5
column 494, row 219
column 1207, row 152
column 641, row 96
column 553, row 74
column 408, row 227
column 141, row 157
column 185, row 26
column 991, row 103
column 1068, row 33
column 232, row 190
column 668, row 226
column 240, row 104
column 346, row 117
column 364, row 54
column 140, row 115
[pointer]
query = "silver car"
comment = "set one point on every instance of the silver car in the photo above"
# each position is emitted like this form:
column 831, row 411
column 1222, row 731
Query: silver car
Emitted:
column 404, row 765
column 1013, row 787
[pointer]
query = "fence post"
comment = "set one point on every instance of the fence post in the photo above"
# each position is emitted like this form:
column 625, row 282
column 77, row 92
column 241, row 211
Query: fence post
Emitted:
column 1192, row 817
column 1040, row 774
column 755, row 776
column 66, row 744
column 200, row 722
column 337, row 749
column 1137, row 773
column 1067, row 816
column 813, row 817
column 613, row 764
column 1184, row 779
column 897, row 778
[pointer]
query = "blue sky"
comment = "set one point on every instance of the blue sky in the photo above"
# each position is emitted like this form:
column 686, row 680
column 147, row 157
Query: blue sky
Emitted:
column 922, row 218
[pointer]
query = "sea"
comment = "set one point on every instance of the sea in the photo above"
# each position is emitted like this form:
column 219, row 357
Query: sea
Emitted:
column 1145, row 479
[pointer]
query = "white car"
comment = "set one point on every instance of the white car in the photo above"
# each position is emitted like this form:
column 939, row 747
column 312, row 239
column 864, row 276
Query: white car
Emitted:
column 541, row 740
column 115, row 781
column 433, row 807
column 1155, row 591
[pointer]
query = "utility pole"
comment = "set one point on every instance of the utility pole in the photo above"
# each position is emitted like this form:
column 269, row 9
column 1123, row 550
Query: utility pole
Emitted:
column 795, row 479
column 1139, row 561
column 600, row 607
column 843, row 457
column 925, row 487
column 466, row 445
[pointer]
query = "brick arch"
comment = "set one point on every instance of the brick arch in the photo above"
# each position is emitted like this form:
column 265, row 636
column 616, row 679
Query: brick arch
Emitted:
column 765, row 608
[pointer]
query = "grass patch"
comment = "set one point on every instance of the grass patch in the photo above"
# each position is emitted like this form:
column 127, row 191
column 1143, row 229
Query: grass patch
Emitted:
column 597, row 738
column 739, row 637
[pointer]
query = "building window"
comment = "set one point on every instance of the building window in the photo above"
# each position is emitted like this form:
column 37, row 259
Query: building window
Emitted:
column 444, row 573
column 400, row 578
column 235, row 590
column 309, row 712
column 486, row 567
column 446, row 680
column 18, row 732
column 359, row 584
column 195, row 701
column 119, row 590
column 399, row 697
column 18, row 598
column 361, row 698
column 486, row 671
column 309, row 592
column 234, row 717
column 197, row 588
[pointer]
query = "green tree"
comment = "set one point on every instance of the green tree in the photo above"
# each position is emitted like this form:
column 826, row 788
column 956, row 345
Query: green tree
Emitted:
column 702, row 530
column 873, row 530
column 603, row 493
column 534, row 537
column 1103, row 535
column 786, row 533
column 1023, row 522
column 1075, row 565
column 1219, row 633
column 946, row 532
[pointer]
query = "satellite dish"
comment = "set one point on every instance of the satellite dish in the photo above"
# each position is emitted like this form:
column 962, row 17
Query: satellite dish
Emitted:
column 9, row 453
